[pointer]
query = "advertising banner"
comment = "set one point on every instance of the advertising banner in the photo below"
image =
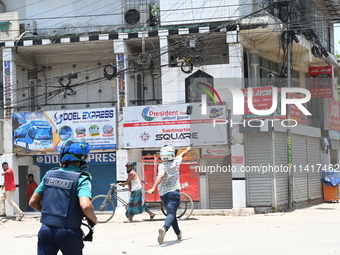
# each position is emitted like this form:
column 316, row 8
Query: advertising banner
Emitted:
column 7, row 88
column 262, row 100
column 156, row 125
column 215, row 152
column 46, row 131
column 321, row 81
column 333, row 115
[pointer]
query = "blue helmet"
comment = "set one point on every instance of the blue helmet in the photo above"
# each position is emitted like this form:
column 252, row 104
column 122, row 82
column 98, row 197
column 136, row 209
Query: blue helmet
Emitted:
column 74, row 149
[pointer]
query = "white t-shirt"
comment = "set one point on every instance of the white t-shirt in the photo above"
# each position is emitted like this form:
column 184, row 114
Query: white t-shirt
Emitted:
column 170, row 172
column 135, row 184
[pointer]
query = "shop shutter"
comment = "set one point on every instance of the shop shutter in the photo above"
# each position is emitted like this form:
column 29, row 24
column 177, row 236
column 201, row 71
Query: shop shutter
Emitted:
column 280, row 147
column 220, row 187
column 299, row 163
column 23, row 183
column 45, row 168
column 102, row 176
column 259, row 185
column 314, row 174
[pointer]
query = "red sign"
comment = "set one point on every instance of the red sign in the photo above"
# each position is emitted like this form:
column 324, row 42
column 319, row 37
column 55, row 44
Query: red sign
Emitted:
column 189, row 180
column 295, row 112
column 237, row 159
column 333, row 115
column 262, row 100
column 321, row 81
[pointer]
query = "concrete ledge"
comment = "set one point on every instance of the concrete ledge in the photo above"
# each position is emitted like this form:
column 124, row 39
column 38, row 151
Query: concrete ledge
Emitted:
column 224, row 212
column 242, row 211
column 210, row 212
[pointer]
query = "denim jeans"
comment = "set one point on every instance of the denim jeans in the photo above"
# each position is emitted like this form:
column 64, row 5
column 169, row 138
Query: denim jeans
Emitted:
column 52, row 239
column 171, row 201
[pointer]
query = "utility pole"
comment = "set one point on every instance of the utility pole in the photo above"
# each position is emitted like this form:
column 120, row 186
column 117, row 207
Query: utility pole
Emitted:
column 289, row 132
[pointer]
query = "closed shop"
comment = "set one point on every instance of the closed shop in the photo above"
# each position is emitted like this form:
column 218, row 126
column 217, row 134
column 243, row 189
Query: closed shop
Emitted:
column 259, row 185
column 220, row 187
column 269, row 189
column 101, row 166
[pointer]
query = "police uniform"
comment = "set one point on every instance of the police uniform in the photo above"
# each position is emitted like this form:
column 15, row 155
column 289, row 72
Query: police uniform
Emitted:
column 61, row 215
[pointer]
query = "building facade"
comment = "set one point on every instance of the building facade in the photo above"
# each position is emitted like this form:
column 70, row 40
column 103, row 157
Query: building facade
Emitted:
column 131, row 76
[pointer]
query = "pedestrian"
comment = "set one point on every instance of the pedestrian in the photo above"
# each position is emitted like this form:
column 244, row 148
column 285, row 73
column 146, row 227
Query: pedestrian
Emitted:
column 169, row 187
column 32, row 185
column 136, row 202
column 63, row 198
column 8, row 192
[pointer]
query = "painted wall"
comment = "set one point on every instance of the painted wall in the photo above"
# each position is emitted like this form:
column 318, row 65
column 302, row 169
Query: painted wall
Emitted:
column 175, row 12
column 64, row 16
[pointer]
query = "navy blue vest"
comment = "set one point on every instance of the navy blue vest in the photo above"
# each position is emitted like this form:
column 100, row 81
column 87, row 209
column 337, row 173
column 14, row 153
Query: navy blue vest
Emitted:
column 60, row 204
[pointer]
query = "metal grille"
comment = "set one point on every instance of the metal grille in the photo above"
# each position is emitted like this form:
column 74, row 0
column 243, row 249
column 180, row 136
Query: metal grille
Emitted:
column 259, row 185
column 220, row 188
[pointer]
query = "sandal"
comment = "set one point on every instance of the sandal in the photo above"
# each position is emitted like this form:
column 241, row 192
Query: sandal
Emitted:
column 127, row 221
column 152, row 216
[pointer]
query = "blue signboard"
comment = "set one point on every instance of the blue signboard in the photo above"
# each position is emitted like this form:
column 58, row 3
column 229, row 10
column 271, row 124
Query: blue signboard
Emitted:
column 98, row 158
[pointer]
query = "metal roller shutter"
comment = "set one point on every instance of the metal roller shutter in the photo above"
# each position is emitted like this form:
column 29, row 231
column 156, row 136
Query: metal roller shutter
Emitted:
column 44, row 169
column 220, row 187
column 23, row 183
column 259, row 185
column 102, row 176
column 314, row 175
column 280, row 146
column 299, row 162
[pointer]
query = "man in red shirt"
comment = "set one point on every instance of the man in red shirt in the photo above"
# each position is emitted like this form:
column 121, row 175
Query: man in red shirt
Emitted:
column 8, row 192
column 32, row 185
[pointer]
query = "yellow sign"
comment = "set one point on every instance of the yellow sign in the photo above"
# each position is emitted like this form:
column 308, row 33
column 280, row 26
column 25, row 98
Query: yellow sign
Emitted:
column 194, row 154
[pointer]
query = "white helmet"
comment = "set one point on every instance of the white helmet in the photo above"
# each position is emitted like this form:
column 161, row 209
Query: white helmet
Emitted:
column 167, row 152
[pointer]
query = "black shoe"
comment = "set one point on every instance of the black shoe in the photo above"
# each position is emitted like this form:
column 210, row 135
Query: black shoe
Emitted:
column 3, row 215
column 21, row 215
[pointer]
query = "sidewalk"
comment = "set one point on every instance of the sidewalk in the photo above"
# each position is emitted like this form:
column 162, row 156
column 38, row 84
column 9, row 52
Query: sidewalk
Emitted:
column 312, row 230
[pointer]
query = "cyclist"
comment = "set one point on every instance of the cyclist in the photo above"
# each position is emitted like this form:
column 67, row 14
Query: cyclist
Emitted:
column 169, row 187
column 65, row 195
column 136, row 201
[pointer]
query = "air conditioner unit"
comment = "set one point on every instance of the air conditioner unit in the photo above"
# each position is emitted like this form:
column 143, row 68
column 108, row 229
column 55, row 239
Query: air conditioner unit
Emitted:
column 29, row 25
column 137, row 16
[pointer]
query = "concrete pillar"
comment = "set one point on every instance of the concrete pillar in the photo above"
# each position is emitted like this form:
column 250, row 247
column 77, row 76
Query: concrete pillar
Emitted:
column 238, row 176
column 254, row 73
column 121, row 56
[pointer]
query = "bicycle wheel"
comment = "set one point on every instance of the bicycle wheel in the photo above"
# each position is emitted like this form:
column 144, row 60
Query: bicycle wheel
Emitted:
column 186, row 67
column 103, row 208
column 185, row 207
column 195, row 44
column 197, row 61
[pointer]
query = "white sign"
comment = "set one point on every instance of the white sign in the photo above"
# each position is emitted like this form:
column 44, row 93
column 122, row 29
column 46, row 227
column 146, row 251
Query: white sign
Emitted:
column 215, row 152
column 156, row 125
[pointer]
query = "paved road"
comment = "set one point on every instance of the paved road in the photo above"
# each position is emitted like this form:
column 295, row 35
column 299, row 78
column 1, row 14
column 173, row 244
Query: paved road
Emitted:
column 313, row 230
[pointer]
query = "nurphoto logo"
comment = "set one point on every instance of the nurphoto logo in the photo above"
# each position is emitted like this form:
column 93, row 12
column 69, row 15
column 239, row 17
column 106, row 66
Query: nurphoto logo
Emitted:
column 239, row 102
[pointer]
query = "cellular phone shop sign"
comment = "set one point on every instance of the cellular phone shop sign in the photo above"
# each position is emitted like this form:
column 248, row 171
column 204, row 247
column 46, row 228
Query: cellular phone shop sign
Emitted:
column 321, row 81
column 262, row 100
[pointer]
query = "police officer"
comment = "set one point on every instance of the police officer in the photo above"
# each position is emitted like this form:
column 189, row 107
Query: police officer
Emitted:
column 64, row 198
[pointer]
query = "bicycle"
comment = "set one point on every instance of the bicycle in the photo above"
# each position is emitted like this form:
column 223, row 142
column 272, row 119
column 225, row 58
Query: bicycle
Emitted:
column 105, row 207
column 189, row 62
